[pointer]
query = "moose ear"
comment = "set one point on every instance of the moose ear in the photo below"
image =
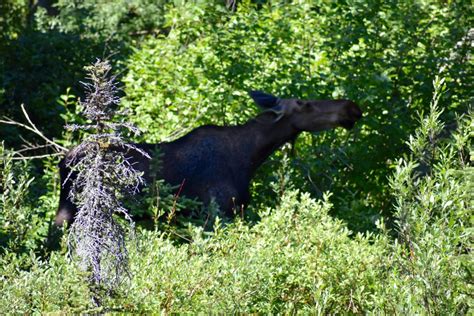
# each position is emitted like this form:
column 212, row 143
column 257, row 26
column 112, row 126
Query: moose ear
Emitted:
column 263, row 99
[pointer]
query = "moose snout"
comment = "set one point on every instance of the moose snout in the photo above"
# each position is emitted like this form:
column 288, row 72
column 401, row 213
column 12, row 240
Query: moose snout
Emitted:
column 352, row 114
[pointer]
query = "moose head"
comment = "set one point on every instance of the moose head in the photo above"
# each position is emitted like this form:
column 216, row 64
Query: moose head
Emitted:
column 310, row 115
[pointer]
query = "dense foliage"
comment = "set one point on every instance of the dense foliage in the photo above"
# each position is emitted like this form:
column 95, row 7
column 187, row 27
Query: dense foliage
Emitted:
column 377, row 219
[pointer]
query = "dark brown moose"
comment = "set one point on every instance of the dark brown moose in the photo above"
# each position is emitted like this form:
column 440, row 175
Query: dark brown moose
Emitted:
column 218, row 162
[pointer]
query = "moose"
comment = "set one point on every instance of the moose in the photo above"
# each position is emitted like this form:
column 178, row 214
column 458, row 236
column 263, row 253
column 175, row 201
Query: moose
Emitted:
column 216, row 163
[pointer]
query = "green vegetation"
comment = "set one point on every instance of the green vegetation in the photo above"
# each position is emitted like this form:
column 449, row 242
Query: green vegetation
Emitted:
column 378, row 219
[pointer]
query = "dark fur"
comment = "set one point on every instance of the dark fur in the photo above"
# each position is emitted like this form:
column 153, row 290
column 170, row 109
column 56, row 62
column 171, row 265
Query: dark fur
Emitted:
column 218, row 162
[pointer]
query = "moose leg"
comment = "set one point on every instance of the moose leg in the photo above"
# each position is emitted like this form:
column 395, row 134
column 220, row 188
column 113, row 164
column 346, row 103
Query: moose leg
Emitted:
column 227, row 198
column 66, row 210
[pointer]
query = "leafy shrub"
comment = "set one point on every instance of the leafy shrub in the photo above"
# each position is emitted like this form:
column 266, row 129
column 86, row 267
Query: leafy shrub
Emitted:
column 37, row 67
column 297, row 258
column 15, row 217
column 105, row 20
column 47, row 285
column 433, row 208
column 46, row 44
column 26, row 209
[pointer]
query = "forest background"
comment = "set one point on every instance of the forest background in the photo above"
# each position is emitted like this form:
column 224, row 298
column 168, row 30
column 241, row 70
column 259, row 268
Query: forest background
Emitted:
column 375, row 219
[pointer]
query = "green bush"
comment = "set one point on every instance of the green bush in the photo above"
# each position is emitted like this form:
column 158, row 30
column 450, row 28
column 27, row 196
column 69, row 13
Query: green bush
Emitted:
column 15, row 217
column 296, row 258
column 25, row 212
column 104, row 19
column 44, row 46
column 433, row 194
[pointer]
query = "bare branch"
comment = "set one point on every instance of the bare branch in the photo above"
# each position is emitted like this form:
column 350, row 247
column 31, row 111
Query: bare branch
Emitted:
column 31, row 147
column 32, row 128
column 38, row 132
column 36, row 157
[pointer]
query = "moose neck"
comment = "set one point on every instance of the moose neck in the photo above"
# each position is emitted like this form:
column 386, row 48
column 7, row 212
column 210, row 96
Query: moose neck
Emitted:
column 266, row 134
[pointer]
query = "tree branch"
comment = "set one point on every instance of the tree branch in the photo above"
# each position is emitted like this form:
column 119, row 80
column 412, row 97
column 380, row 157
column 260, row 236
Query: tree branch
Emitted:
column 32, row 128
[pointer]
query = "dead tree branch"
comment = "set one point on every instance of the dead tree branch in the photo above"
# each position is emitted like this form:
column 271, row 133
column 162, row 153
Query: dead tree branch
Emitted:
column 59, row 150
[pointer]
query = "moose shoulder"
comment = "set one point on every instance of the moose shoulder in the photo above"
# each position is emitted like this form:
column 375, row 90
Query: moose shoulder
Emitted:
column 217, row 162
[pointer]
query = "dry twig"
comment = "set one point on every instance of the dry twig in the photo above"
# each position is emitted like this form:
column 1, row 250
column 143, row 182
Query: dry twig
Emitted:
column 59, row 150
